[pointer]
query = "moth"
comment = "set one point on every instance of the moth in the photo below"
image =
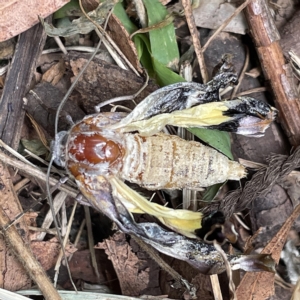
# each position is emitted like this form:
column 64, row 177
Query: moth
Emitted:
column 105, row 150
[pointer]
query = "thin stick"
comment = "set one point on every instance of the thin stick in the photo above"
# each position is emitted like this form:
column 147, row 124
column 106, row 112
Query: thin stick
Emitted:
column 78, row 236
column 62, row 251
column 242, row 75
column 102, row 34
column 21, row 250
column 91, row 240
column 196, row 38
column 252, row 91
column 33, row 171
column 236, row 12
column 60, row 45
column 21, row 184
column 57, row 203
column 214, row 280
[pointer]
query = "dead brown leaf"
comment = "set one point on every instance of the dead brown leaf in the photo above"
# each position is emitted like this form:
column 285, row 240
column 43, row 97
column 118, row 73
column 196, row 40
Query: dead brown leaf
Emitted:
column 133, row 280
column 47, row 252
column 55, row 73
column 259, row 286
column 18, row 16
column 121, row 37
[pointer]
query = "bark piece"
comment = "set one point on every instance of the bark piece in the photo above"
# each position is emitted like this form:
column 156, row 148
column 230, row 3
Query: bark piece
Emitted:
column 266, row 38
column 17, row 83
column 102, row 81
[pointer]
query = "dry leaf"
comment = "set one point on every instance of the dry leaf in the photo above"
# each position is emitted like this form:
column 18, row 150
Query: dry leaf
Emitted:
column 133, row 280
column 47, row 252
column 259, row 286
column 55, row 73
column 121, row 37
column 18, row 16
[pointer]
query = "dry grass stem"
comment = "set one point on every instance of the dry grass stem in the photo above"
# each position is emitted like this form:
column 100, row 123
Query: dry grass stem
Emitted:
column 78, row 235
column 91, row 241
column 215, row 284
column 57, row 204
column 252, row 91
column 20, row 185
column 34, row 172
column 62, row 253
column 242, row 75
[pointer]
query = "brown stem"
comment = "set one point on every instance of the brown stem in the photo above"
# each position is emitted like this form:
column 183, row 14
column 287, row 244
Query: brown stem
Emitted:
column 196, row 38
column 276, row 71
column 19, row 247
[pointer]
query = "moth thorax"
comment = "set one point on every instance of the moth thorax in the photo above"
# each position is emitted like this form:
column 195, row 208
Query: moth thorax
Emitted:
column 94, row 149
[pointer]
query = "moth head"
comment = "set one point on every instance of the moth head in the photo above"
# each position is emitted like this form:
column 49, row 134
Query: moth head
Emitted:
column 58, row 148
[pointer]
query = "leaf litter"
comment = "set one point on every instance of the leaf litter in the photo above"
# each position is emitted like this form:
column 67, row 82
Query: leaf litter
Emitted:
column 156, row 60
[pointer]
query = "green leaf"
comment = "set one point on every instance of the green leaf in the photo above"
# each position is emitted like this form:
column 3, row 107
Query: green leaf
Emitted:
column 70, row 9
column 156, row 69
column 35, row 146
column 120, row 13
column 211, row 192
column 219, row 140
column 164, row 47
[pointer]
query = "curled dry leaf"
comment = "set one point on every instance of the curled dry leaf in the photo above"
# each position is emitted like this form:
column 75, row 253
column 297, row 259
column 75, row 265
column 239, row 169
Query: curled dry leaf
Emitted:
column 122, row 38
column 55, row 73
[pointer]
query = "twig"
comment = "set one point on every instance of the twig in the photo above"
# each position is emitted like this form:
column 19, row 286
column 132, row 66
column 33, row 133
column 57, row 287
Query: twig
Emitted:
column 36, row 173
column 21, row 250
column 62, row 252
column 236, row 12
column 91, row 240
column 215, row 284
column 78, row 235
column 276, row 71
column 106, row 38
column 20, row 185
column 242, row 75
column 196, row 38
column 252, row 91
column 57, row 203
column 60, row 45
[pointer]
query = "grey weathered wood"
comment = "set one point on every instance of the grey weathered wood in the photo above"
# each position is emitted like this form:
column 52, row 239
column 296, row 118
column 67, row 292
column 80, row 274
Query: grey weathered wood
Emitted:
column 17, row 84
